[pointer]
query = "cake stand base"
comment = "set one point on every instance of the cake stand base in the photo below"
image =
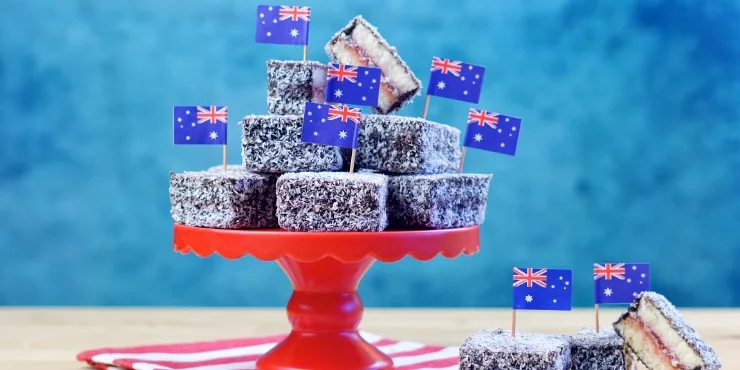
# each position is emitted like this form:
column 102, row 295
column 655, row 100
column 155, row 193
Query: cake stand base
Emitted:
column 325, row 270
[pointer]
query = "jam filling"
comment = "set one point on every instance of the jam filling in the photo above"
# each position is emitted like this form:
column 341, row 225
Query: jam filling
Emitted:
column 656, row 345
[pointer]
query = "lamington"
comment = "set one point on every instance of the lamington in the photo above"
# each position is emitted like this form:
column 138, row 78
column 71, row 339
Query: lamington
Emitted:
column 223, row 199
column 604, row 350
column 290, row 84
column 406, row 145
column 439, row 201
column 661, row 338
column 332, row 201
column 272, row 144
column 360, row 44
column 496, row 349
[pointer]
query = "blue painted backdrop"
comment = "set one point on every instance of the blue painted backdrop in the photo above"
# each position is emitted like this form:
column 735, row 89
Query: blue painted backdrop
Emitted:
column 630, row 148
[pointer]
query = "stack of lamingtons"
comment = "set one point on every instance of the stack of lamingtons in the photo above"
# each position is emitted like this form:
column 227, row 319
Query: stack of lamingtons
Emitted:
column 406, row 174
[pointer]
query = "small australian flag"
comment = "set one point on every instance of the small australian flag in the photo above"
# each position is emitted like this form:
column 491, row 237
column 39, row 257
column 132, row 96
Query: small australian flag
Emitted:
column 282, row 24
column 492, row 132
column 200, row 125
column 327, row 124
column 456, row 80
column 616, row 283
column 542, row 289
column 355, row 85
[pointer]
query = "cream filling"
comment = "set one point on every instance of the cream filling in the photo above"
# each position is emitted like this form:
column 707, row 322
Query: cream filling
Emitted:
column 318, row 83
column 656, row 325
column 380, row 56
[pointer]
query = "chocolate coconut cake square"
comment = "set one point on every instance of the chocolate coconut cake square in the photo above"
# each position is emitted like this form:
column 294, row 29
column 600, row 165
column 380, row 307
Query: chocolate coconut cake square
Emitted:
column 439, row 201
column 406, row 145
column 661, row 338
column 597, row 351
column 290, row 84
column 496, row 349
column 360, row 44
column 332, row 201
column 232, row 199
column 273, row 144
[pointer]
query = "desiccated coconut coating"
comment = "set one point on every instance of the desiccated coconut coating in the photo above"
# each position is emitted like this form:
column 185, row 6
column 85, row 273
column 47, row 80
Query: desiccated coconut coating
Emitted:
column 229, row 167
column 273, row 144
column 597, row 351
column 223, row 199
column 496, row 349
column 360, row 44
column 681, row 332
column 440, row 201
column 290, row 84
column 406, row 145
column 332, row 201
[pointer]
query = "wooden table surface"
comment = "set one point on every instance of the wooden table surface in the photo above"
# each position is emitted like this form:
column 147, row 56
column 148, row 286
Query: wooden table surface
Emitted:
column 51, row 338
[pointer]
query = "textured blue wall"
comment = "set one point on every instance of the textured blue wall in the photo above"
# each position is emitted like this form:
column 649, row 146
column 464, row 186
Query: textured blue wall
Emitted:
column 630, row 147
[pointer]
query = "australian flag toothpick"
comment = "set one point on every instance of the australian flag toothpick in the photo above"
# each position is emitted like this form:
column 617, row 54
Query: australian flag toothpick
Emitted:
column 335, row 125
column 282, row 24
column 355, row 85
column 616, row 283
column 200, row 125
column 456, row 80
column 492, row 132
column 542, row 289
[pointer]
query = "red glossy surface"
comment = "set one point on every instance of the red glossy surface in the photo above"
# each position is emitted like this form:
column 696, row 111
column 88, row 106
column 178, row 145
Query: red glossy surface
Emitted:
column 325, row 269
column 269, row 245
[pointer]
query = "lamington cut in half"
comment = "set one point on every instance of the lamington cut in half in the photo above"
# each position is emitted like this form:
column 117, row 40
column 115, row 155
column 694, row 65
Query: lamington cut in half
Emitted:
column 406, row 145
column 440, row 201
column 272, row 144
column 360, row 44
column 232, row 199
column 496, row 349
column 659, row 336
column 290, row 84
column 332, row 201
column 597, row 351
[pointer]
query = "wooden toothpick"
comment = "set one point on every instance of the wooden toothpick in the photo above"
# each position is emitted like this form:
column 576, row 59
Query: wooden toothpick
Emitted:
column 225, row 157
column 426, row 107
column 352, row 161
column 462, row 159
column 513, row 323
column 305, row 53
column 596, row 312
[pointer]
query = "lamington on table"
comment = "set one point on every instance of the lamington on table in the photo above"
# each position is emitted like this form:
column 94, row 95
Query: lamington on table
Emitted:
column 406, row 145
column 332, row 201
column 598, row 351
column 273, row 144
column 661, row 338
column 223, row 199
column 360, row 44
column 290, row 84
column 439, row 201
column 496, row 349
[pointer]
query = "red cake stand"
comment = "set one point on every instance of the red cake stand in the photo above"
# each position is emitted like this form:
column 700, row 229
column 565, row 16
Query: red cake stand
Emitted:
column 325, row 269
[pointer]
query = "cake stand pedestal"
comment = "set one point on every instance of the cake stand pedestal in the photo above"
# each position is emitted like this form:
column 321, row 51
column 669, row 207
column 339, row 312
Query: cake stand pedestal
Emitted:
column 325, row 269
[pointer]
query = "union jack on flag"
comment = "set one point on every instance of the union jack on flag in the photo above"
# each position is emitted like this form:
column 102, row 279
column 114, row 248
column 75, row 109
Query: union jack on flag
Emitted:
column 200, row 124
column 282, row 24
column 456, row 80
column 349, row 84
column 620, row 282
column 327, row 124
column 492, row 132
column 542, row 289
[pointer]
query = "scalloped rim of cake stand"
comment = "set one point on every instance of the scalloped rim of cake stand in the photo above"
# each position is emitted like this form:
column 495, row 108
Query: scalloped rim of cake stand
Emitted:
column 349, row 247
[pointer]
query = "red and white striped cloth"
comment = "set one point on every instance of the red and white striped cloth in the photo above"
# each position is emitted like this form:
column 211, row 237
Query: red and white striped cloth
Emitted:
column 241, row 354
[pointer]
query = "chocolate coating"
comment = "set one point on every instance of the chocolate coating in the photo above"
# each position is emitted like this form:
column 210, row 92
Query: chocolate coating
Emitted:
column 290, row 84
column 496, row 349
column 332, row 201
column 232, row 199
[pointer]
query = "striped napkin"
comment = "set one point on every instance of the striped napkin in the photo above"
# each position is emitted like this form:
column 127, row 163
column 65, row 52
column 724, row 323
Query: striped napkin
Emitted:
column 242, row 354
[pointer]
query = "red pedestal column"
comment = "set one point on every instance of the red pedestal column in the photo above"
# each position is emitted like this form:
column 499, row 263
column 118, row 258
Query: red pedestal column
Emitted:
column 324, row 312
